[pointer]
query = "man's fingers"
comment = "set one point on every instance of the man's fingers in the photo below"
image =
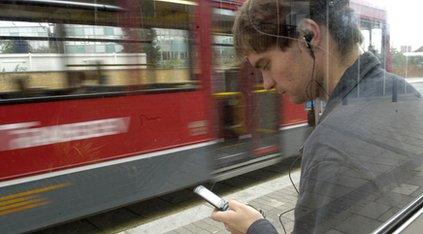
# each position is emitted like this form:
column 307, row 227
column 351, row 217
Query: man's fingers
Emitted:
column 222, row 216
column 217, row 216
column 235, row 205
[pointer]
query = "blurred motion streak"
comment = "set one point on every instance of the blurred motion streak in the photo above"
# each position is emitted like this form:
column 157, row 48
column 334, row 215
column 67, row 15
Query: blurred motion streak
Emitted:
column 26, row 200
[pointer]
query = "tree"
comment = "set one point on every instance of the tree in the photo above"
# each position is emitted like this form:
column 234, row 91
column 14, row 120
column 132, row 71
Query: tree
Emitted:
column 152, row 49
column 15, row 47
column 43, row 49
column 398, row 58
column 6, row 47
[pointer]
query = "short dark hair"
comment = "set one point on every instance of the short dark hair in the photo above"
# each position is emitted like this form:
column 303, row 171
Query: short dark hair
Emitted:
column 259, row 22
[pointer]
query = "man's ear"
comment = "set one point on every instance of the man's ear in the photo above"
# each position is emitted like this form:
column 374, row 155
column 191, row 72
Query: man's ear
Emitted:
column 310, row 34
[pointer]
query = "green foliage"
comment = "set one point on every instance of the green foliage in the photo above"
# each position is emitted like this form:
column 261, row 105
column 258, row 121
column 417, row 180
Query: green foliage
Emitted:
column 44, row 49
column 407, row 66
column 6, row 47
column 398, row 58
column 154, row 49
column 15, row 47
column 173, row 63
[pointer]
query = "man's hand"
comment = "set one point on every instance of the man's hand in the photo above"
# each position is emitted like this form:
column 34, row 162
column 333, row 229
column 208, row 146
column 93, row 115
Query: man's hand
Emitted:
column 238, row 218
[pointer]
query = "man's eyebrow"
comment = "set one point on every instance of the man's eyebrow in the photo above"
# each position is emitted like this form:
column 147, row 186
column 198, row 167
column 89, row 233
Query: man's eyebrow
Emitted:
column 259, row 63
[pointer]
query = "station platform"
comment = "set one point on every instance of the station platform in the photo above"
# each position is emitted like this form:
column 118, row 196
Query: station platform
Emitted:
column 273, row 197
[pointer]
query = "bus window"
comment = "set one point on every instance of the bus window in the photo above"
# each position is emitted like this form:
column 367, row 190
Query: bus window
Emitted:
column 229, row 99
column 223, row 52
column 30, row 63
column 170, row 57
column 166, row 52
column 224, row 62
column 60, row 50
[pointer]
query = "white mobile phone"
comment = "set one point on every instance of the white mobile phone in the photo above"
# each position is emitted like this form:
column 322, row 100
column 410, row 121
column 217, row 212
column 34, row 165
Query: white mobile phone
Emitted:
column 211, row 198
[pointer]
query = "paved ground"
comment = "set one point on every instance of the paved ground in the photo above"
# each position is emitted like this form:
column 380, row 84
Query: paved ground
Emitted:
column 183, row 211
column 273, row 197
column 418, row 84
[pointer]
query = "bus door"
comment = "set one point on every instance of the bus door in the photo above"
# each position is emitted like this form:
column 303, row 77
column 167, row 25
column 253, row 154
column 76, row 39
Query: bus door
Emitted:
column 231, row 114
column 230, row 102
column 263, row 110
column 247, row 115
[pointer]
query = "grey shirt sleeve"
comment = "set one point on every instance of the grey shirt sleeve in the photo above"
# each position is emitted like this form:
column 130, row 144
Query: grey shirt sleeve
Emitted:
column 262, row 226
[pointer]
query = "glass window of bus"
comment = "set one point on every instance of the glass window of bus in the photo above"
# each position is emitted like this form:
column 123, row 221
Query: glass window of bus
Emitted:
column 36, row 51
column 225, row 63
column 60, row 50
column 29, row 60
column 167, row 38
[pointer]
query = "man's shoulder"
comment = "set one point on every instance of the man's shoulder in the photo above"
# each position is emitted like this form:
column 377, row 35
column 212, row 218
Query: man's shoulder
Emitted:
column 361, row 126
column 379, row 82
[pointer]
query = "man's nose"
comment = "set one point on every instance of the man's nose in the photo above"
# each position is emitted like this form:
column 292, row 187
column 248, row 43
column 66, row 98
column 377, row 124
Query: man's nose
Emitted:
column 268, row 83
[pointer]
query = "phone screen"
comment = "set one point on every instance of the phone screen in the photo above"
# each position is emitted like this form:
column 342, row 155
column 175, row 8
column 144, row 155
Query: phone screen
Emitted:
column 212, row 198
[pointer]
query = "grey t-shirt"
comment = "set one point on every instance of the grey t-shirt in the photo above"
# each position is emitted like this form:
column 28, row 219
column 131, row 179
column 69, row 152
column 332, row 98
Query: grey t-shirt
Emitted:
column 363, row 162
column 359, row 165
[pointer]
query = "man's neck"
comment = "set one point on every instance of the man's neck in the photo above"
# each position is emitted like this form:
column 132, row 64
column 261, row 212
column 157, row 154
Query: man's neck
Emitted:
column 337, row 67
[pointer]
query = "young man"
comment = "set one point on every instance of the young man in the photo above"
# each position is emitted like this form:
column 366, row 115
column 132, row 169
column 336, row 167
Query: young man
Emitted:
column 361, row 164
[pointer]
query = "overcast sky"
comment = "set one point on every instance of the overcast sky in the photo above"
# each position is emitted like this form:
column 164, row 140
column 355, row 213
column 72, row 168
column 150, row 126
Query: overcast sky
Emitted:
column 405, row 18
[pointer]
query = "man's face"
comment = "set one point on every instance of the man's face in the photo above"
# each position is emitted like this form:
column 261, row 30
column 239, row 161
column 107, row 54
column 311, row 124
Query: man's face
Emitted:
column 289, row 71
